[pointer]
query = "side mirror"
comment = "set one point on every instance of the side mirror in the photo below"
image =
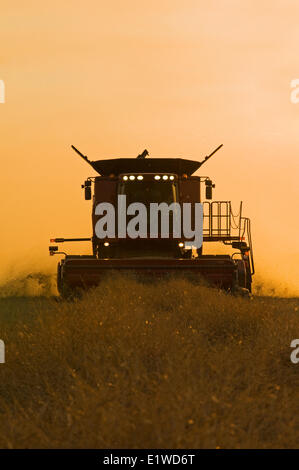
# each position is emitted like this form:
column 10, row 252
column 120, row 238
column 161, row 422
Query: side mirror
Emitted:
column 87, row 190
column 209, row 189
column 87, row 193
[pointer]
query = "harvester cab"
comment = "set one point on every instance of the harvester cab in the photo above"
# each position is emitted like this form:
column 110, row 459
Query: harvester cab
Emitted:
column 122, row 242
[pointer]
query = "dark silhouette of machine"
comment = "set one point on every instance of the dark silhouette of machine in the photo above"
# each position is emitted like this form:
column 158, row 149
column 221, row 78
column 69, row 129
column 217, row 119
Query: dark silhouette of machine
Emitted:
column 159, row 180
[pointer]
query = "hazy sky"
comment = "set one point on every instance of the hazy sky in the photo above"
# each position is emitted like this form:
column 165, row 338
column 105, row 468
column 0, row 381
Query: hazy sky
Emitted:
column 177, row 78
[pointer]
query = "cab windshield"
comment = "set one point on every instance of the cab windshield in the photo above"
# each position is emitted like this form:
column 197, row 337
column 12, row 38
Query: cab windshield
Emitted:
column 149, row 191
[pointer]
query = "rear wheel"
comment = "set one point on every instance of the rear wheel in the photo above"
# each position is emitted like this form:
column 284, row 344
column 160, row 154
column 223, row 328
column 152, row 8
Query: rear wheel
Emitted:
column 244, row 279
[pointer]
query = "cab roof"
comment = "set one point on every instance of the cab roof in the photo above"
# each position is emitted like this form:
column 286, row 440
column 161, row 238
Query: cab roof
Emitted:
column 118, row 166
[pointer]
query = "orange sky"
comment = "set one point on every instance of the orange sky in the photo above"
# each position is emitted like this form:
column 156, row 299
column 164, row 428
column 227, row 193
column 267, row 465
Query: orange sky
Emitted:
column 177, row 78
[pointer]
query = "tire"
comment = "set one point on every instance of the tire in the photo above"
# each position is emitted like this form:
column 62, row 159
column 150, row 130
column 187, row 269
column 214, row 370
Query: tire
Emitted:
column 244, row 278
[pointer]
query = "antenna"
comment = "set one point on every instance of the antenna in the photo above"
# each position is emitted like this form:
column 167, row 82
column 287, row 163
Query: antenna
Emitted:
column 211, row 154
column 81, row 154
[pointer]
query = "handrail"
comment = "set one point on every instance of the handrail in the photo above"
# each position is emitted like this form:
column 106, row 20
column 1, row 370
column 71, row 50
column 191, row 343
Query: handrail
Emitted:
column 222, row 224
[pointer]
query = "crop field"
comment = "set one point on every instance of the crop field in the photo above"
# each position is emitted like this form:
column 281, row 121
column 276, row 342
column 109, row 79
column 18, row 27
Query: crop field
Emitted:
column 135, row 365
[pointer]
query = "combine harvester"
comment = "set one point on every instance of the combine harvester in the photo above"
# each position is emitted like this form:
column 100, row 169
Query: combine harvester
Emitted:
column 158, row 180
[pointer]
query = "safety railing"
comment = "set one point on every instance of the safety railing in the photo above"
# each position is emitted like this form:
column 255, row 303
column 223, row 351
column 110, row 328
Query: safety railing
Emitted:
column 219, row 221
column 221, row 224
